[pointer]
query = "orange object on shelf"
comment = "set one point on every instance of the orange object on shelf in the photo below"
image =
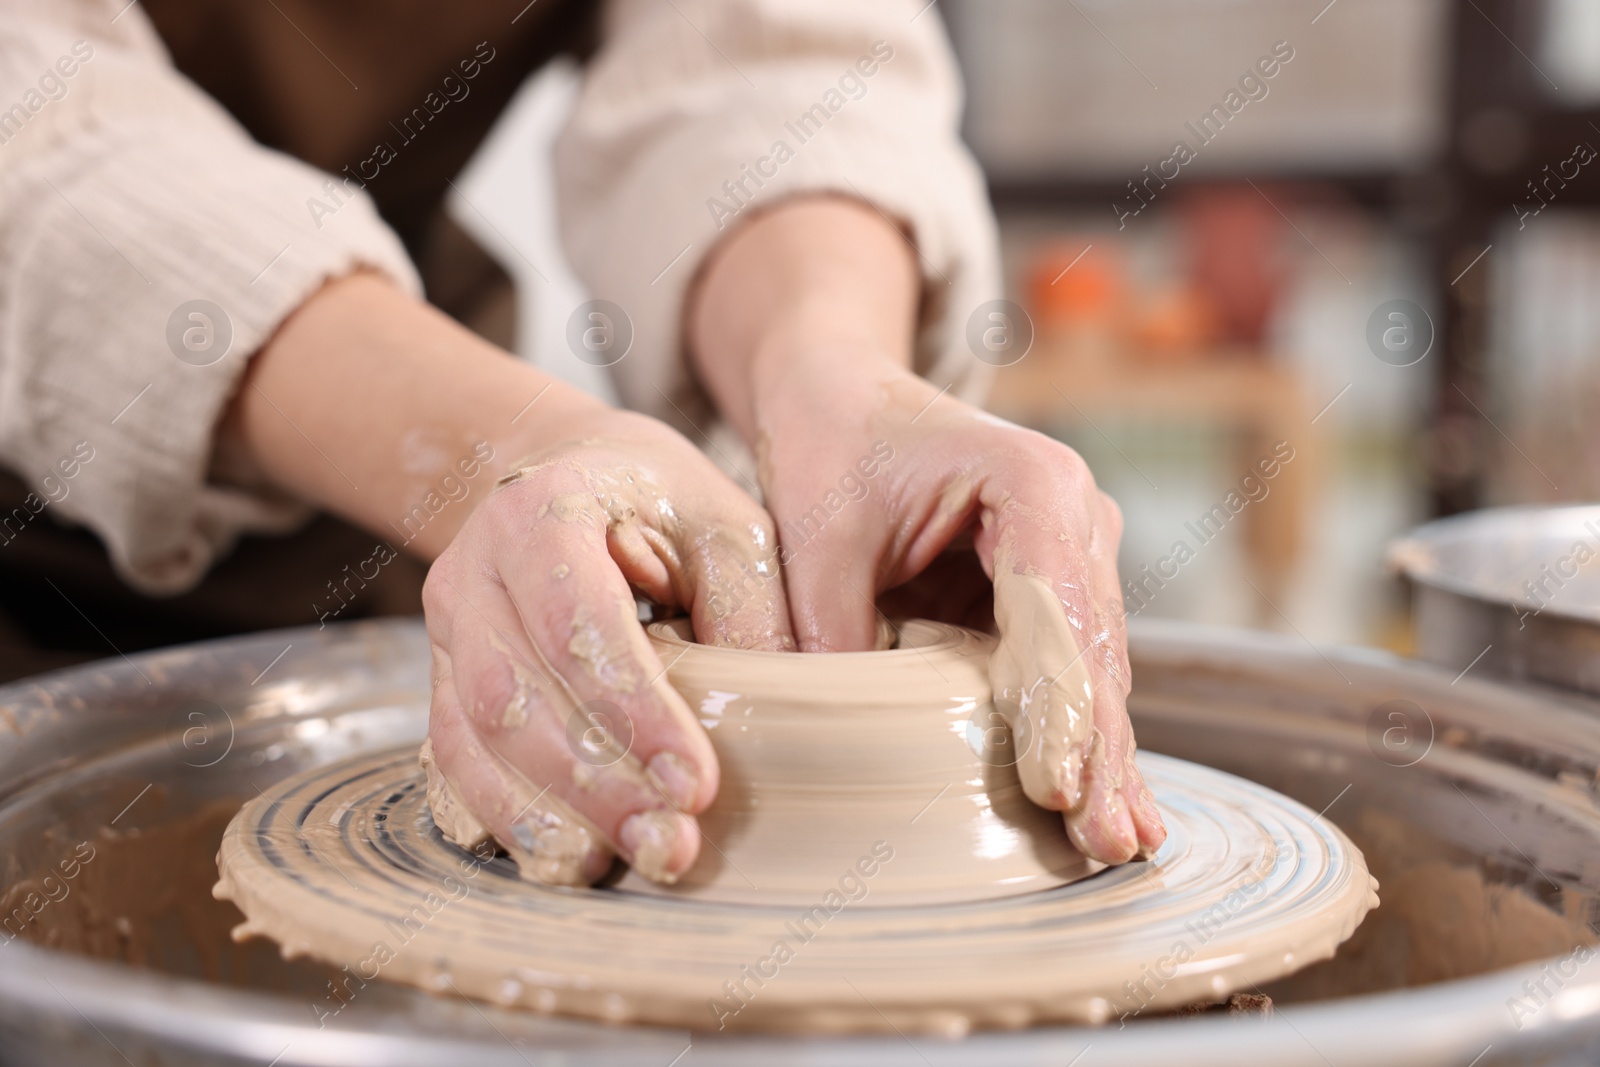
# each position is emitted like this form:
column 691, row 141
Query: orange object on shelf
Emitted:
column 1073, row 282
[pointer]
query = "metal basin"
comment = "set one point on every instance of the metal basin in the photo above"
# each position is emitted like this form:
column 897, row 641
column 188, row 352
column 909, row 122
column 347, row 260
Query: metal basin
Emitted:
column 1513, row 592
column 1474, row 802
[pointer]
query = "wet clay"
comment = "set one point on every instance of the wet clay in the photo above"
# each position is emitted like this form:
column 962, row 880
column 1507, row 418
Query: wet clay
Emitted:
column 803, row 742
column 789, row 806
column 974, row 923
column 1042, row 684
column 1442, row 918
column 450, row 812
column 132, row 897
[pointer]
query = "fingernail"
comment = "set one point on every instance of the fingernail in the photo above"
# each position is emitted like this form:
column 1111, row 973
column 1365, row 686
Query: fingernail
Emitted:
column 1105, row 834
column 676, row 779
column 650, row 838
column 1154, row 833
column 1118, row 824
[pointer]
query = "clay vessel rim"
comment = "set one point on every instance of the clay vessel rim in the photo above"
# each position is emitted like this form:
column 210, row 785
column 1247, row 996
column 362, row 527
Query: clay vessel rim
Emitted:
column 942, row 637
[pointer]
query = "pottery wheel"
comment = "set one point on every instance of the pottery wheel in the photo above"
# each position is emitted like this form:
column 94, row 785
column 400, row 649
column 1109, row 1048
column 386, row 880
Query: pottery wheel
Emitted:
column 344, row 863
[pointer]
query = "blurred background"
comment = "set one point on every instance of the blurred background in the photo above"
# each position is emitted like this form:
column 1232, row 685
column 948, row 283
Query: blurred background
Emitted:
column 1380, row 246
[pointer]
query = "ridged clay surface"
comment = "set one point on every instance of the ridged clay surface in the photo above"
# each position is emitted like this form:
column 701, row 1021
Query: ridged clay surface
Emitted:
column 872, row 866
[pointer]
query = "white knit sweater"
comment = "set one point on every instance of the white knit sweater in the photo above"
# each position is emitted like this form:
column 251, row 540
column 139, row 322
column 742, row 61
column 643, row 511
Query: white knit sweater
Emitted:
column 125, row 192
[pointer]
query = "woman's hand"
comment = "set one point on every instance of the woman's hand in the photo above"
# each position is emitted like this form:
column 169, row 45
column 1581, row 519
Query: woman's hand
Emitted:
column 883, row 487
column 959, row 500
column 551, row 715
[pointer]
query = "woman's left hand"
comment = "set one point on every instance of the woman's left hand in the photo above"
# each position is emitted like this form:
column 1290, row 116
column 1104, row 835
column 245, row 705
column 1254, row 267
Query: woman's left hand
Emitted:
column 886, row 490
column 891, row 493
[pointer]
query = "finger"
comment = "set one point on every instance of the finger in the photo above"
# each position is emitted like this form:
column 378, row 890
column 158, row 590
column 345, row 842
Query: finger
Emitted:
column 537, row 681
column 1044, row 685
column 731, row 580
column 1048, row 671
column 832, row 578
column 576, row 753
column 836, row 564
column 707, row 547
column 587, row 706
column 580, row 616
column 1061, row 665
column 1116, row 780
column 475, row 794
column 534, row 708
column 1041, row 682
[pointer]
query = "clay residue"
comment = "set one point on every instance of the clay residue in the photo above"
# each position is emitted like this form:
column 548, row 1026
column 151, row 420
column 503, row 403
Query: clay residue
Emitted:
column 514, row 716
column 1442, row 917
column 143, row 898
column 613, row 666
column 1042, row 685
column 549, row 842
column 529, row 690
column 450, row 812
column 571, row 507
column 552, row 844
column 656, row 840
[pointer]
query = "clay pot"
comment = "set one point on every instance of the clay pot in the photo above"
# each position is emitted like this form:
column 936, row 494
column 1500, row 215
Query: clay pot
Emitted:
column 830, row 760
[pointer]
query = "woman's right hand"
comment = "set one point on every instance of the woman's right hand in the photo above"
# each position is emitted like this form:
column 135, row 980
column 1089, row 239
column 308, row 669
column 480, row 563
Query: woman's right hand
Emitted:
column 552, row 718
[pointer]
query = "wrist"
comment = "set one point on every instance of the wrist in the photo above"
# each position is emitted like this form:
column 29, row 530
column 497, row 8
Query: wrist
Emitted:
column 815, row 296
column 377, row 407
column 796, row 388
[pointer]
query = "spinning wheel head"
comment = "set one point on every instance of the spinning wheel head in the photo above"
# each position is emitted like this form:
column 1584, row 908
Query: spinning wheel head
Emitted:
column 344, row 863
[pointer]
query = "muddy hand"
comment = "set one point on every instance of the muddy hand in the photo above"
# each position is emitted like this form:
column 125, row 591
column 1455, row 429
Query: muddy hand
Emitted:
column 947, row 480
column 552, row 720
column 803, row 329
column 1060, row 673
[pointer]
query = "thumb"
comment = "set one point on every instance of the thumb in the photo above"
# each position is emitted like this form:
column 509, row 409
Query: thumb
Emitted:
column 1042, row 686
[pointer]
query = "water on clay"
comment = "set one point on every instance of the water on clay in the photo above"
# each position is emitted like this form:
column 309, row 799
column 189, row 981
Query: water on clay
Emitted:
column 1455, row 901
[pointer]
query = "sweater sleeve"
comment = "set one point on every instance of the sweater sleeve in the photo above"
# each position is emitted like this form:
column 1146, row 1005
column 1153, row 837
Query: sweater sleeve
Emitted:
column 148, row 247
column 695, row 112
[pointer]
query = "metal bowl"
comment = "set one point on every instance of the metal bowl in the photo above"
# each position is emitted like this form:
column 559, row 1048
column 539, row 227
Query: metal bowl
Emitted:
column 1474, row 802
column 1513, row 592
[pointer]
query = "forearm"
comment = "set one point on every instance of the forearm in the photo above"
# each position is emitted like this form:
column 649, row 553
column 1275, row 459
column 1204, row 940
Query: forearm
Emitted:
column 801, row 307
column 366, row 401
